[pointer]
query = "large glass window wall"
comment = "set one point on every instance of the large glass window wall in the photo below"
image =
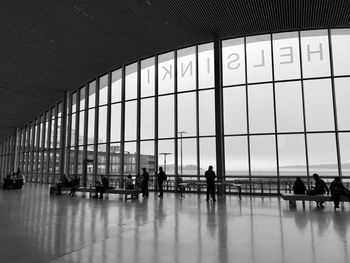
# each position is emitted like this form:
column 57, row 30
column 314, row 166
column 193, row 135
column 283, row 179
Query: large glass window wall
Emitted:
column 282, row 108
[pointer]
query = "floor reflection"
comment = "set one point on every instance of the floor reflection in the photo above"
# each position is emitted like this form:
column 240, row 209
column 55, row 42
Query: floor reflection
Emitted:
column 36, row 227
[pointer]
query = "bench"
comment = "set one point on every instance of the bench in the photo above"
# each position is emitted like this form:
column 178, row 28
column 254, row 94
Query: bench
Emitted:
column 292, row 198
column 132, row 192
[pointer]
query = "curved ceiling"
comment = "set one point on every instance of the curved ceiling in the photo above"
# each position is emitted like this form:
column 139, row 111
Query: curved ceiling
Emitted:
column 48, row 46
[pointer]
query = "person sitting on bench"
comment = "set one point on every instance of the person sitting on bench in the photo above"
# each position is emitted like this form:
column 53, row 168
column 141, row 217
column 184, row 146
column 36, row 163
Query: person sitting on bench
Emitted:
column 337, row 190
column 64, row 181
column 299, row 186
column 320, row 189
column 75, row 182
column 128, row 182
column 101, row 187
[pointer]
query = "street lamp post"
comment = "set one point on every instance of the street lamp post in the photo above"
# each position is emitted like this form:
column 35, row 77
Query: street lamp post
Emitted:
column 165, row 155
column 181, row 132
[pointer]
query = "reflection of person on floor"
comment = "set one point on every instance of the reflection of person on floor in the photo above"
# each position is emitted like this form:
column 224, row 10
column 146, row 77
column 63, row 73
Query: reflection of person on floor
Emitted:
column 299, row 186
column 210, row 178
column 337, row 190
column 320, row 188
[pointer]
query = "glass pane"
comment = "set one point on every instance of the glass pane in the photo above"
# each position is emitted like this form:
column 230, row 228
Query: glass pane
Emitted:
column 147, row 77
column 58, row 135
column 340, row 51
column 315, row 53
column 101, row 159
column 59, row 110
column 116, row 92
column 187, row 113
column 131, row 81
column 147, row 118
column 74, row 102
column 259, row 65
column 92, row 94
column 233, row 61
column 130, row 120
column 318, row 105
column 187, row 156
column 235, row 111
column 263, row 155
column 130, row 158
column 322, row 154
column 103, row 90
column 115, row 122
column 91, row 127
column 186, row 69
column 102, row 124
column 166, row 73
column 82, row 98
column 73, row 130
column 286, row 56
column 80, row 162
column 289, row 107
column 206, row 65
column 206, row 113
column 166, row 116
column 236, row 156
column 147, row 158
column 342, row 92
column 292, row 158
column 344, row 145
column 53, row 134
column 207, row 154
column 166, row 155
column 114, row 163
column 261, row 112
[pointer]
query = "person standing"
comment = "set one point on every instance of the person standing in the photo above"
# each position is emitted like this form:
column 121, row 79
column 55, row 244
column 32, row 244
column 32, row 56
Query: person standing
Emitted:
column 161, row 177
column 145, row 180
column 210, row 178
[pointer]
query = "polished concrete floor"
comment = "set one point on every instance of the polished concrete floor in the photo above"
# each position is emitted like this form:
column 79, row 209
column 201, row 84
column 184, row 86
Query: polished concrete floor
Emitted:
column 36, row 227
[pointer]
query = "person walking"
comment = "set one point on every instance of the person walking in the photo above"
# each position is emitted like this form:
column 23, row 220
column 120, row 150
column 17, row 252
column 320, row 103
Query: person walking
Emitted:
column 161, row 177
column 210, row 178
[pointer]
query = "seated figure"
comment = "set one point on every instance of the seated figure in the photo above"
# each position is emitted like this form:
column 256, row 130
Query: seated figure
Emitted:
column 129, row 183
column 337, row 190
column 299, row 186
column 64, row 181
column 75, row 182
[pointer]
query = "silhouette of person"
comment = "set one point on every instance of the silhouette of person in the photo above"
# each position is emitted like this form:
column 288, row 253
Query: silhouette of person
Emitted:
column 145, row 180
column 299, row 186
column 128, row 182
column 75, row 184
column 210, row 178
column 161, row 177
column 101, row 187
column 138, row 183
column 337, row 190
column 320, row 188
